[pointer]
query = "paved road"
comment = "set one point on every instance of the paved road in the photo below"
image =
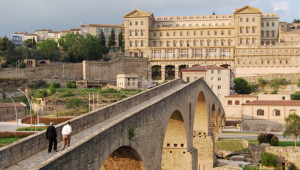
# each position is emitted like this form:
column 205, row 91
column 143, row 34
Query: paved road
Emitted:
column 248, row 136
column 11, row 126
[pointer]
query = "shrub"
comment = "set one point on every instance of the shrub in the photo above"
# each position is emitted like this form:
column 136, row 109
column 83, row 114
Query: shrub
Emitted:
column 73, row 86
column 106, row 58
column 47, row 121
column 268, row 159
column 56, row 85
column 274, row 92
column 270, row 136
column 4, row 65
column 52, row 89
column 76, row 104
column 22, row 64
column 44, row 92
column 32, row 128
column 262, row 138
column 104, row 101
column 274, row 141
column 113, row 101
column 13, row 64
column 15, row 134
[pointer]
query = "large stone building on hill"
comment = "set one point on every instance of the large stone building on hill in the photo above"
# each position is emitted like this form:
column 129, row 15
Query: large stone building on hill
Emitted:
column 247, row 41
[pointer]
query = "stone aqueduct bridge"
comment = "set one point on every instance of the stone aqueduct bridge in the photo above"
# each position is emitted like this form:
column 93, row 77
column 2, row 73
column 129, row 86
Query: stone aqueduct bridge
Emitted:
column 175, row 124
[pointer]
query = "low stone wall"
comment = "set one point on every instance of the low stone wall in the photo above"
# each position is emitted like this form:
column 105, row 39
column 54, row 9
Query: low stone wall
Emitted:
column 256, row 151
column 292, row 77
column 263, row 125
column 286, row 155
column 24, row 148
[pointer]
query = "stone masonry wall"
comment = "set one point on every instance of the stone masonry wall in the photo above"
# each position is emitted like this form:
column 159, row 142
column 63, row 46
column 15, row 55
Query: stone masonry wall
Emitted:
column 13, row 153
column 286, row 154
column 107, row 71
column 70, row 71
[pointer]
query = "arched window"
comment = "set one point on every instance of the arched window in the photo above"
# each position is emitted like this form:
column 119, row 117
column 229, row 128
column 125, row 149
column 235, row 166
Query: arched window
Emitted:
column 276, row 112
column 248, row 101
column 292, row 111
column 260, row 112
column 237, row 102
column 229, row 102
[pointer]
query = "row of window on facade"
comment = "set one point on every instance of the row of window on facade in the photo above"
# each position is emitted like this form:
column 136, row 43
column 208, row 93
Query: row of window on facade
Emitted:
column 187, row 43
column 192, row 26
column 107, row 30
column 237, row 102
column 247, row 41
column 212, row 52
column 128, row 83
column 267, row 33
column 293, row 27
column 276, row 112
column 268, row 61
column 136, row 22
column 219, row 87
column 194, row 17
column 107, row 37
column 187, row 33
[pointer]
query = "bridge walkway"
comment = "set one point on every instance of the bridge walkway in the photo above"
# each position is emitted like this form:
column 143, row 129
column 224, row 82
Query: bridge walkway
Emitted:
column 42, row 156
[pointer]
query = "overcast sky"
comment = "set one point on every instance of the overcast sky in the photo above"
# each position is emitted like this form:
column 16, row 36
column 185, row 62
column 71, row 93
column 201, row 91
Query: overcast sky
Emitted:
column 30, row 15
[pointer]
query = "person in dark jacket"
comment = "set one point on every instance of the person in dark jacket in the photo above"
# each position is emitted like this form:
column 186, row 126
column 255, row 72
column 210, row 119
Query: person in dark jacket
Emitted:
column 52, row 137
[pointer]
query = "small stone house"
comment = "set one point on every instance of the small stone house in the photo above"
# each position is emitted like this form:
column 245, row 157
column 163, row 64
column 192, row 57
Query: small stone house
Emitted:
column 8, row 111
column 127, row 81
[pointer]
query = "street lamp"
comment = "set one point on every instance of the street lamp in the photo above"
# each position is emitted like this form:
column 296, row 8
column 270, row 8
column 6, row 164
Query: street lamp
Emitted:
column 30, row 104
column 15, row 107
column 97, row 100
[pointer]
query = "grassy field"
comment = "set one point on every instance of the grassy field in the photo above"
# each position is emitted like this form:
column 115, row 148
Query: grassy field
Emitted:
column 281, row 143
column 6, row 141
column 230, row 145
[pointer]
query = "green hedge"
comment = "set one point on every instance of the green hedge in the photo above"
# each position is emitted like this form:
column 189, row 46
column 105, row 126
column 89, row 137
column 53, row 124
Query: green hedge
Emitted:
column 32, row 128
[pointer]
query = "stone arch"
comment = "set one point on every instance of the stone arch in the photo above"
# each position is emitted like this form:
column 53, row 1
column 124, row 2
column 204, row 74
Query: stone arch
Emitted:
column 174, row 154
column 124, row 157
column 43, row 63
column 200, row 117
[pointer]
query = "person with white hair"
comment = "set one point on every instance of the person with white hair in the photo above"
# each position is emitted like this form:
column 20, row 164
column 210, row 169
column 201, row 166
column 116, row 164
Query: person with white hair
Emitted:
column 51, row 136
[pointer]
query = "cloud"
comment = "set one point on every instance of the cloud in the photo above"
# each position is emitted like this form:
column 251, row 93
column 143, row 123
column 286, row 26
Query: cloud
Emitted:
column 254, row 2
column 280, row 5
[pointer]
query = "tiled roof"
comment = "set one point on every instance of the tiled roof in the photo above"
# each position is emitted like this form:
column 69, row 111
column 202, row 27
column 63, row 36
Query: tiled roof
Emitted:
column 241, row 95
column 66, row 31
column 11, row 105
column 44, row 30
column 74, row 29
column 275, row 102
column 202, row 68
column 30, row 35
column 106, row 25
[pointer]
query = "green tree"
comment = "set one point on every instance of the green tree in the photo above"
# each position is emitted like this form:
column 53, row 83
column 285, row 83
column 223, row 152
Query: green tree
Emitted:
column 76, row 104
column 262, row 82
column 296, row 21
column 296, row 95
column 3, row 42
column 50, row 49
column 92, row 47
column 72, row 44
column 276, row 83
column 120, row 38
column 28, row 43
column 33, row 43
column 213, row 13
column 292, row 126
column 268, row 159
column 241, row 86
column 254, row 86
column 8, row 54
column 102, row 39
column 111, row 38
column 22, row 64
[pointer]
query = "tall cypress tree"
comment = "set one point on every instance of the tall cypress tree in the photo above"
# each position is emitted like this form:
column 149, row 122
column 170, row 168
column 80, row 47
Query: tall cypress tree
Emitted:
column 120, row 38
column 111, row 39
column 102, row 39
column 33, row 42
